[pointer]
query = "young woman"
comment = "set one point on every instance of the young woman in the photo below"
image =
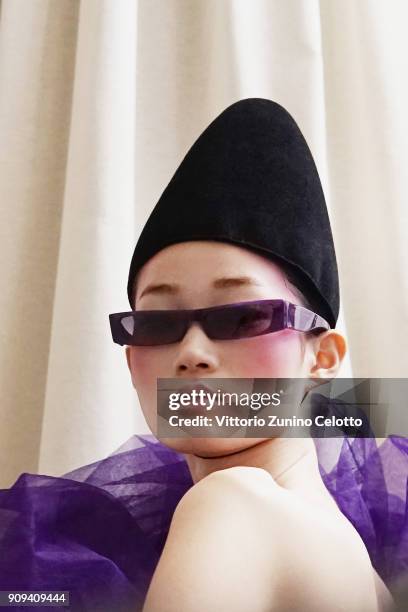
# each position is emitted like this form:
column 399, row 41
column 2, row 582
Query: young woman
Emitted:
column 258, row 530
column 233, row 276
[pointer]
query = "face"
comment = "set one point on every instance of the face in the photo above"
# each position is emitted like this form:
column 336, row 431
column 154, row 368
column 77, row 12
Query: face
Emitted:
column 200, row 274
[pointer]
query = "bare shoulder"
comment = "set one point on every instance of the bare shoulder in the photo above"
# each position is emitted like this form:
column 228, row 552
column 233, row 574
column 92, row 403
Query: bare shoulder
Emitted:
column 305, row 539
column 238, row 480
column 214, row 557
column 238, row 526
column 241, row 476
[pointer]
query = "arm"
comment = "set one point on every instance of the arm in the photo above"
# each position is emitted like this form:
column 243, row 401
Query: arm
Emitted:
column 238, row 541
column 215, row 556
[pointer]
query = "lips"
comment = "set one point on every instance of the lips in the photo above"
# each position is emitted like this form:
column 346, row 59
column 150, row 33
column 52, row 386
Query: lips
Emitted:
column 206, row 407
column 191, row 387
column 228, row 407
column 195, row 409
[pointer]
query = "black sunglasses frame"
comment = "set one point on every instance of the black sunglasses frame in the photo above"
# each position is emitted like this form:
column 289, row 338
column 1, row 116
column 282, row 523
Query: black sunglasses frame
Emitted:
column 286, row 315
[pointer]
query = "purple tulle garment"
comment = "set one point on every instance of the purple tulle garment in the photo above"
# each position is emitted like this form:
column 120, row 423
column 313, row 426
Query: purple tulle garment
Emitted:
column 98, row 532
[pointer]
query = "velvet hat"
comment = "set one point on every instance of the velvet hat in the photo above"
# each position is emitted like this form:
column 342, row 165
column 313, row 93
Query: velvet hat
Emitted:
column 250, row 180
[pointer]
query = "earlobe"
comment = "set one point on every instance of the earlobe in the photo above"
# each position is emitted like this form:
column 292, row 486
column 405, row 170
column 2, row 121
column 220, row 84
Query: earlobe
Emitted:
column 329, row 353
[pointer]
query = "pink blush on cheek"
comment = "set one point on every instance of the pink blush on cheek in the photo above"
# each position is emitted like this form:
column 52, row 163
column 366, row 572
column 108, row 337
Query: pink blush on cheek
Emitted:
column 270, row 356
column 150, row 363
column 142, row 367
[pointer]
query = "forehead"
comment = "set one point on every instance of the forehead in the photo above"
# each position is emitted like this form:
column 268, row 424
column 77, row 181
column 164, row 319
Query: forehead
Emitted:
column 199, row 263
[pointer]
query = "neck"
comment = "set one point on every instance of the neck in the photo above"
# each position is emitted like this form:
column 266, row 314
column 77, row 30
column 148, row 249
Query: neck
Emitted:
column 286, row 460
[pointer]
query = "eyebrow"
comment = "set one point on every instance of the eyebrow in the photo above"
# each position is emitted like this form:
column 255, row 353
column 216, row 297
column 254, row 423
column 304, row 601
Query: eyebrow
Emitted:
column 224, row 282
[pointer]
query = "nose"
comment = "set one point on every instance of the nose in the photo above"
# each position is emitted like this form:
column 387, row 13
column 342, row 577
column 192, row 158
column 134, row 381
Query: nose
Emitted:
column 196, row 353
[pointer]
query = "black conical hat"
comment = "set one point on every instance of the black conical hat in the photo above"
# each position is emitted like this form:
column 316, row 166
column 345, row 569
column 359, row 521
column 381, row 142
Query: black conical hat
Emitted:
column 250, row 180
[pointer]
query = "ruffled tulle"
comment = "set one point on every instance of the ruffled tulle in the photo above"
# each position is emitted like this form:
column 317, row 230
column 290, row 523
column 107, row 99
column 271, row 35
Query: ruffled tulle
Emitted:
column 98, row 531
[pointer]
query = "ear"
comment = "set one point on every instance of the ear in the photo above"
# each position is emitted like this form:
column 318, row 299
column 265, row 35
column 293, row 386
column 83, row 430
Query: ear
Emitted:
column 329, row 350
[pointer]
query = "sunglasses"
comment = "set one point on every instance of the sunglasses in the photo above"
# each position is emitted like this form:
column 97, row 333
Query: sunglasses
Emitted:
column 226, row 322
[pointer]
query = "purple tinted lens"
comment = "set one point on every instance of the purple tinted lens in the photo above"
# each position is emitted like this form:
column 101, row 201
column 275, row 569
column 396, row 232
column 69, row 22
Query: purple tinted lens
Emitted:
column 241, row 321
column 151, row 328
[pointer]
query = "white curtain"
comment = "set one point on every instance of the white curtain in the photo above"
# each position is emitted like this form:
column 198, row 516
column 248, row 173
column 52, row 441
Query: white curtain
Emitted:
column 99, row 101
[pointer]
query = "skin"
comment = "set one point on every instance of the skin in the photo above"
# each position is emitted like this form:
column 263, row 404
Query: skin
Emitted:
column 304, row 554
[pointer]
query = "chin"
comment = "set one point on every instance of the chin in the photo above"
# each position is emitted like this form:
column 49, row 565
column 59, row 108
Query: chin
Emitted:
column 209, row 447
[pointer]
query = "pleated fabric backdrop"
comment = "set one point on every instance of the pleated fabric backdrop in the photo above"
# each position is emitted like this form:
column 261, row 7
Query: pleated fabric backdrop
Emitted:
column 99, row 102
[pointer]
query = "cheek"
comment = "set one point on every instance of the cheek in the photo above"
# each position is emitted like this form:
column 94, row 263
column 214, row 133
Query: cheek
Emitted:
column 147, row 364
column 275, row 356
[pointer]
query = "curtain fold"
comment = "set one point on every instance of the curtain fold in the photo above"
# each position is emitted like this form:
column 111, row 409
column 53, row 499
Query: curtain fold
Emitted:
column 99, row 102
column 37, row 53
